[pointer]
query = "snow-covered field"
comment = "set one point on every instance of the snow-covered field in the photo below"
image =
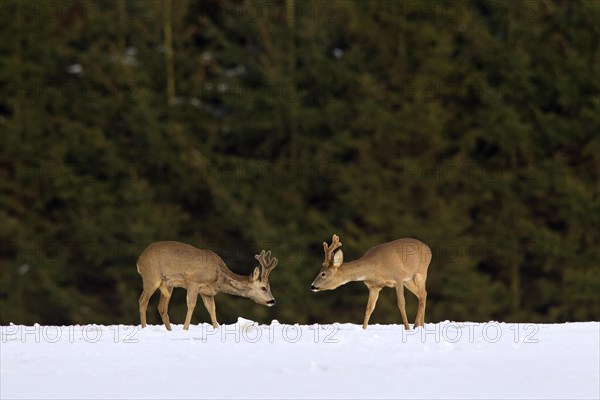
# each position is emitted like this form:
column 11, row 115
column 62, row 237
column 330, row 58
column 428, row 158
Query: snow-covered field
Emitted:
column 247, row 360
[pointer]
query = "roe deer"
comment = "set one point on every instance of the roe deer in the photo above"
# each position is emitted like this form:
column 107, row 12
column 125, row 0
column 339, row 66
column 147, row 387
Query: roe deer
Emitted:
column 399, row 263
column 165, row 265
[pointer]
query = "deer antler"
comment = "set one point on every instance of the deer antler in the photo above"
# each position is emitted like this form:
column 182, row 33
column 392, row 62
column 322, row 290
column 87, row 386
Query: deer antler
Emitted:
column 335, row 244
column 267, row 263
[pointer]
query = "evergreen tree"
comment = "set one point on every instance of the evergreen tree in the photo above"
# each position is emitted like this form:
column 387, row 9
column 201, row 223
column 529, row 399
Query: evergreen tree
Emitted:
column 240, row 126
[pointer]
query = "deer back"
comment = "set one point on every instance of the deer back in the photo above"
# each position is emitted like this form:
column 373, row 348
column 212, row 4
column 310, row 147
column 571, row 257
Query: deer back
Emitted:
column 176, row 261
column 409, row 255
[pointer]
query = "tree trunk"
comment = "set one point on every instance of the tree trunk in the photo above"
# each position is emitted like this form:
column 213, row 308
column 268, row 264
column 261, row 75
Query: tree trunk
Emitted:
column 292, row 110
column 168, row 45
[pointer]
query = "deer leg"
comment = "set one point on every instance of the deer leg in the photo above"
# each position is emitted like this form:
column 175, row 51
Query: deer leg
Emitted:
column 419, row 281
column 192, row 297
column 149, row 289
column 373, row 296
column 402, row 304
column 163, row 305
column 414, row 289
column 209, row 303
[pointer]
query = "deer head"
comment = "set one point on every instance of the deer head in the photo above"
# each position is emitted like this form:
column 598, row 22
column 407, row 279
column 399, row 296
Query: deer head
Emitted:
column 259, row 289
column 329, row 276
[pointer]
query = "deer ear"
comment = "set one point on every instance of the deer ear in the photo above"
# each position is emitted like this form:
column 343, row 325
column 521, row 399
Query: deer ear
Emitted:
column 338, row 258
column 255, row 274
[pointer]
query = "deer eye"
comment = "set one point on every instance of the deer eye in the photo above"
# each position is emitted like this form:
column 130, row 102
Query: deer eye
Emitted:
column 323, row 274
column 264, row 289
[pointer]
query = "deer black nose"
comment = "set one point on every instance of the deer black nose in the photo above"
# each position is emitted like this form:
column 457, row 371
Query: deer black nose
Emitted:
column 271, row 302
column 313, row 288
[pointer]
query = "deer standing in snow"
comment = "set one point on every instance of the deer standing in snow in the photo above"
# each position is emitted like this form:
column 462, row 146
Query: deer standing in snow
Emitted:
column 166, row 265
column 398, row 264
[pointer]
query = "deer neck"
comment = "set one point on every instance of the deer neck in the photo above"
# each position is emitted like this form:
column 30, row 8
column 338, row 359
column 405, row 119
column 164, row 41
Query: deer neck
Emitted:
column 232, row 283
column 357, row 270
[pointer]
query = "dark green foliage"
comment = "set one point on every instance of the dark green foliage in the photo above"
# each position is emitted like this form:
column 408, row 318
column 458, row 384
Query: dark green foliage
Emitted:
column 472, row 126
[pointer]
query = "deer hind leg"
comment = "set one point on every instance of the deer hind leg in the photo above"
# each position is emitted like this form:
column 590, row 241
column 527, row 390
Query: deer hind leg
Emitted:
column 149, row 289
column 402, row 304
column 418, row 282
column 414, row 289
column 192, row 297
column 373, row 296
column 209, row 303
column 163, row 304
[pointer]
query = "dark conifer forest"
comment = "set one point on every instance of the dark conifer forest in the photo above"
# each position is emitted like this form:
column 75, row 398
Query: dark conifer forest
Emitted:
column 242, row 125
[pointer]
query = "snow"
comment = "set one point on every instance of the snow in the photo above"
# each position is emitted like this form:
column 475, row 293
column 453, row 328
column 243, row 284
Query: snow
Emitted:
column 248, row 360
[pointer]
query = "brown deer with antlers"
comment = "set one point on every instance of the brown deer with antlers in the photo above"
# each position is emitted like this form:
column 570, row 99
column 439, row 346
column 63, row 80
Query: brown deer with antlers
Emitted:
column 166, row 265
column 398, row 264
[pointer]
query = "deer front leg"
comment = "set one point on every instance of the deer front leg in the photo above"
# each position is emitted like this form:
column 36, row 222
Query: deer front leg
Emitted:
column 402, row 304
column 209, row 303
column 373, row 296
column 192, row 297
